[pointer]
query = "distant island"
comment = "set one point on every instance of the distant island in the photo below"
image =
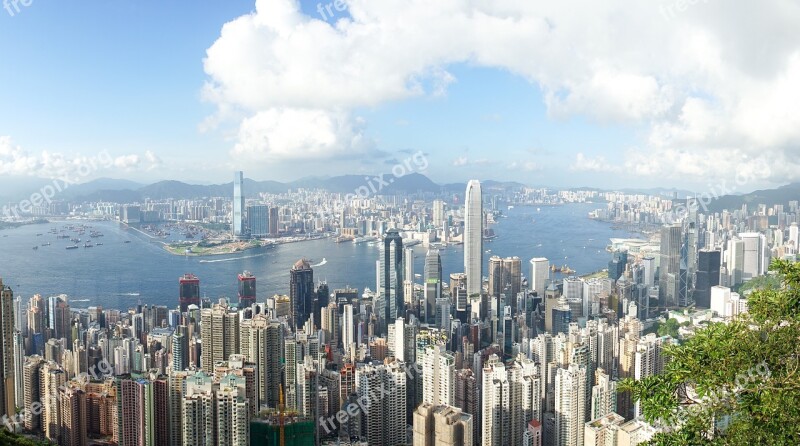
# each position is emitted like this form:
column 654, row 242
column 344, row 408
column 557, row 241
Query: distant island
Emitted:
column 16, row 224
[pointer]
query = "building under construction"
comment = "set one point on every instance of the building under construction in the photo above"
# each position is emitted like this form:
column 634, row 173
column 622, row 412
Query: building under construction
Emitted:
column 297, row 431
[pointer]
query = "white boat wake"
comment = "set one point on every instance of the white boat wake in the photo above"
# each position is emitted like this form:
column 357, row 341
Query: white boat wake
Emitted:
column 324, row 261
column 232, row 259
column 127, row 294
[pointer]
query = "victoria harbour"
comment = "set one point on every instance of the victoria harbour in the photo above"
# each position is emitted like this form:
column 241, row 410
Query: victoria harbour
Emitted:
column 121, row 275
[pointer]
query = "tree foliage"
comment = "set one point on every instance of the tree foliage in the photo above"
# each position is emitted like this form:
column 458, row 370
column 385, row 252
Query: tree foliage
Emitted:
column 733, row 383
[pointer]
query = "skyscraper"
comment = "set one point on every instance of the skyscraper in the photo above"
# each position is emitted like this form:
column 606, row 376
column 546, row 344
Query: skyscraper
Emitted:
column 273, row 221
column 219, row 330
column 258, row 220
column 247, row 289
column 496, row 401
column 570, row 406
column 301, row 292
column 189, row 291
column 473, row 237
column 708, row 272
column 669, row 268
column 433, row 283
column 391, row 270
column 7, row 398
column 442, row 425
column 540, row 274
column 237, row 222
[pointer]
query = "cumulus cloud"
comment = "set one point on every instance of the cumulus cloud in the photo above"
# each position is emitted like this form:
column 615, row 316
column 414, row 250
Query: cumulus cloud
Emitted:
column 597, row 164
column 14, row 160
column 691, row 79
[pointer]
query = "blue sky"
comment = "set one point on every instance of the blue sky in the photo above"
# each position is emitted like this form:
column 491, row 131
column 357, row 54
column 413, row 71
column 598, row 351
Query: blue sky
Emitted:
column 545, row 104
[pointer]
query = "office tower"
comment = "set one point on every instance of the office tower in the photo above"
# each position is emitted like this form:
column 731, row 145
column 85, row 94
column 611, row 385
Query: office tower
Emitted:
column 495, row 274
column 7, row 380
column 438, row 213
column 561, row 316
column 301, row 292
column 437, row 379
column 219, row 330
column 238, row 220
column 794, row 237
column 496, row 403
column 322, row 296
column 383, row 389
column 755, row 260
column 260, row 343
column 329, row 323
column 258, row 220
column 247, row 289
column 433, row 283
column 442, row 425
column 570, row 406
column 734, row 262
column 180, row 349
column 617, row 264
column 708, row 273
column 540, row 274
column 348, row 329
column 189, row 291
column 604, row 395
column 391, row 276
column 669, row 268
column 408, row 263
column 649, row 264
column 273, row 222
column 473, row 237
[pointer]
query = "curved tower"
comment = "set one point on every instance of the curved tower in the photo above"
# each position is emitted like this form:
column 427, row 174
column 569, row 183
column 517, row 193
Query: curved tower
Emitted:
column 473, row 237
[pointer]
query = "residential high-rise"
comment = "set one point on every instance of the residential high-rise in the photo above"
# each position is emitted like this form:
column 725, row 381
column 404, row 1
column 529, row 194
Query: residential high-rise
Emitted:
column 473, row 237
column 570, row 406
column 180, row 349
column 649, row 360
column 301, row 292
column 540, row 274
column 247, row 289
column 604, row 395
column 51, row 378
column 442, row 425
column 794, row 237
column 238, row 220
column 219, row 331
column 260, row 342
column 525, row 384
column 708, row 274
column 496, row 403
column 433, row 283
column 31, row 372
column 258, row 220
column 7, row 381
column 73, row 416
column 189, row 291
column 437, row 379
column 438, row 213
column 383, row 389
column 391, row 276
column 669, row 267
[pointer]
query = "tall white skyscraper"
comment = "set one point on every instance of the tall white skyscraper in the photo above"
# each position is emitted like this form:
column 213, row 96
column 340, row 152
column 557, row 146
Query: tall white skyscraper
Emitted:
column 540, row 274
column 794, row 237
column 348, row 332
column 473, row 237
column 438, row 213
column 755, row 259
column 239, row 231
column 496, row 402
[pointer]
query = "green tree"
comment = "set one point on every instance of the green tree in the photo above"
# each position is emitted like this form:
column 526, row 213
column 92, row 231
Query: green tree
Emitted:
column 669, row 328
column 743, row 373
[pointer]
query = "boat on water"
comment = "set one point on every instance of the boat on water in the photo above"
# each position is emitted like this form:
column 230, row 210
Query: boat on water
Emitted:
column 35, row 248
column 46, row 244
column 127, row 241
column 99, row 244
column 88, row 245
column 72, row 247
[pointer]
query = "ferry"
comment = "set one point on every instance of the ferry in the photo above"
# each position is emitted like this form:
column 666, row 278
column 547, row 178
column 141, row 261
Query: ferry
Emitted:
column 72, row 247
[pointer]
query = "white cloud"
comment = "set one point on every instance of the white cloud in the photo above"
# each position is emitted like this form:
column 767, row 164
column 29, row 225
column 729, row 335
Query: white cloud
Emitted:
column 280, row 134
column 597, row 164
column 525, row 166
column 460, row 161
column 16, row 161
column 693, row 82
